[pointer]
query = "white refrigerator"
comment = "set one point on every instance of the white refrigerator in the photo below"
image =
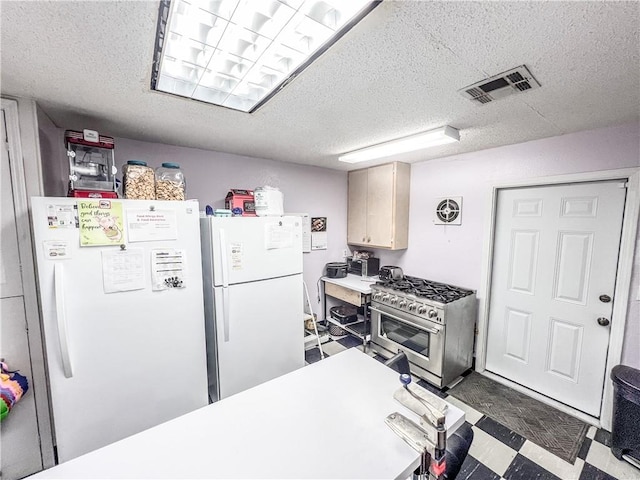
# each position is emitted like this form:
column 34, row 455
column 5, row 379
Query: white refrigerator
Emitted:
column 120, row 287
column 252, row 270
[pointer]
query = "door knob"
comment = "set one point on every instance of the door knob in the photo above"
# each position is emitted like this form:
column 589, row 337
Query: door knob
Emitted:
column 603, row 321
column 605, row 298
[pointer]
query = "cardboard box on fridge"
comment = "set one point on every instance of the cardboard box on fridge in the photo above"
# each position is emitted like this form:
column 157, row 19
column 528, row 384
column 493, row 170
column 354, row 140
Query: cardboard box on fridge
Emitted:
column 242, row 199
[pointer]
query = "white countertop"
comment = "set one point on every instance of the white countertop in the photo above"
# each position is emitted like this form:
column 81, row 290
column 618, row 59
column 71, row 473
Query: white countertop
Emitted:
column 325, row 420
column 353, row 282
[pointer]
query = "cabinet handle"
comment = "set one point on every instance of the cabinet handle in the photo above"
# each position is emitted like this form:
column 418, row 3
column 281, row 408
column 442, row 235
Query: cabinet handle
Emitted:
column 364, row 239
column 369, row 240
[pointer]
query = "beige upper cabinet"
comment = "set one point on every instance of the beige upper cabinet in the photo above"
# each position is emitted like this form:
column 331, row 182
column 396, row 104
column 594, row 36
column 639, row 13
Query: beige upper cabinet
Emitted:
column 378, row 214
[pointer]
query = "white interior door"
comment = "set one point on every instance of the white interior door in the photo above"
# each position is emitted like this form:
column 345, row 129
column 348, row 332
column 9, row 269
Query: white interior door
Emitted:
column 20, row 440
column 554, row 264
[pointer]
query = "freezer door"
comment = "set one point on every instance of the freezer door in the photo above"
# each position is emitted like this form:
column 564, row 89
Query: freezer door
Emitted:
column 246, row 249
column 118, row 363
column 263, row 336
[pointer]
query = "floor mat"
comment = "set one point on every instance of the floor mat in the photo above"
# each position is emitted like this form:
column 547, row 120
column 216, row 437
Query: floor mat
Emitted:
column 556, row 431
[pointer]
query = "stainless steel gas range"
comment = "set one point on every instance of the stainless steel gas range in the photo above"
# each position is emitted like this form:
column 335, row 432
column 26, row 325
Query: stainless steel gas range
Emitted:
column 433, row 323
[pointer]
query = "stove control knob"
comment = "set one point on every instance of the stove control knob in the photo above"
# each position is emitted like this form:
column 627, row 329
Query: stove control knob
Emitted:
column 394, row 301
column 385, row 297
column 402, row 303
column 377, row 295
column 412, row 307
column 432, row 314
column 422, row 309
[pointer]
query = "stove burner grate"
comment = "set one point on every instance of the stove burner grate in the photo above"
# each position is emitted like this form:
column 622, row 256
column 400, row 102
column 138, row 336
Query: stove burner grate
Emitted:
column 439, row 292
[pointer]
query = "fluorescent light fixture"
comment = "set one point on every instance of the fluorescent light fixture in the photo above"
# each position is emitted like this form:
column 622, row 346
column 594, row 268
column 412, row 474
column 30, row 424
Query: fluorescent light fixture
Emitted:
column 432, row 138
column 239, row 53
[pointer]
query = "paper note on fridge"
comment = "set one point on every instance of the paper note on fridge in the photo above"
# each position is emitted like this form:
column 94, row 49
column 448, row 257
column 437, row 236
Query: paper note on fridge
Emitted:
column 62, row 216
column 123, row 270
column 236, row 256
column 100, row 222
column 306, row 230
column 56, row 249
column 278, row 236
column 148, row 225
column 168, row 268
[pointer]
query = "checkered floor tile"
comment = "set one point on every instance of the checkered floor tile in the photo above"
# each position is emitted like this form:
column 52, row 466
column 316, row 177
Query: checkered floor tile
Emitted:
column 500, row 453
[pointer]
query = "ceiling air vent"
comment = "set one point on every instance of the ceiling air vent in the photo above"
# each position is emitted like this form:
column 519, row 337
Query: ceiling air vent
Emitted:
column 507, row 83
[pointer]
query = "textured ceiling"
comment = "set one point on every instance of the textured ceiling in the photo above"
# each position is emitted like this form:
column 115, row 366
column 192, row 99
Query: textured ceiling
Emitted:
column 88, row 64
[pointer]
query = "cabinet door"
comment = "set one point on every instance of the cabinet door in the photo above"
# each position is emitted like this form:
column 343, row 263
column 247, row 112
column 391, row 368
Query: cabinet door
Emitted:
column 357, row 213
column 380, row 205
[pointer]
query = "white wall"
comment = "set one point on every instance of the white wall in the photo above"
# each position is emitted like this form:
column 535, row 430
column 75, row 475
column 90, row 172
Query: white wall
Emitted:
column 453, row 254
column 55, row 171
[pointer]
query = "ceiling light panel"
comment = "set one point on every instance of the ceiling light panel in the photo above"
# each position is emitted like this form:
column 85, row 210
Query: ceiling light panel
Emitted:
column 238, row 53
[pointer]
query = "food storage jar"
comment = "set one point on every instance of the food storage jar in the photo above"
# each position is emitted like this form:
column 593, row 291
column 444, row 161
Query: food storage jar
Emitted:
column 269, row 201
column 138, row 181
column 170, row 183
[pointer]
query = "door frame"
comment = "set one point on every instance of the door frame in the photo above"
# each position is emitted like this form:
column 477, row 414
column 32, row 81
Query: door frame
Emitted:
column 621, row 292
column 24, row 155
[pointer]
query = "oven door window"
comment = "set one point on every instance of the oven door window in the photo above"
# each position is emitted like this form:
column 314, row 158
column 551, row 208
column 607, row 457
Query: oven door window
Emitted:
column 406, row 335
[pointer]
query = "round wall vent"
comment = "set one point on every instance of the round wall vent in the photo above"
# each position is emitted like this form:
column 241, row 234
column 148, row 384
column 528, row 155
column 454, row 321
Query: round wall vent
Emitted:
column 448, row 211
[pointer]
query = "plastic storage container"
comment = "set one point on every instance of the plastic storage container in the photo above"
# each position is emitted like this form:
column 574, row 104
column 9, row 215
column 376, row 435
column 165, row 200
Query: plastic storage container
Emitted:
column 269, row 201
column 170, row 183
column 138, row 181
column 625, row 432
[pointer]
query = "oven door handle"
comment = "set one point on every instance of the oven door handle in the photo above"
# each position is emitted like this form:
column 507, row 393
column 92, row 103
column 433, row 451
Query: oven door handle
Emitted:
column 433, row 331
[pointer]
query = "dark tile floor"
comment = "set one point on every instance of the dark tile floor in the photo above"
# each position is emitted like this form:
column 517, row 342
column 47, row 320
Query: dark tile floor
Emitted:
column 500, row 453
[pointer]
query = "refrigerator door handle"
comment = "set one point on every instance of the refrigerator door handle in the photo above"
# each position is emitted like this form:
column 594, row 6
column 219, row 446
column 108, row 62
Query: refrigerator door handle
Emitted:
column 225, row 312
column 61, row 318
column 225, row 282
column 223, row 257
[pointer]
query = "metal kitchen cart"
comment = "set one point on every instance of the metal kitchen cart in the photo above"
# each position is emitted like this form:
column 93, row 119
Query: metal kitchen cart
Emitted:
column 354, row 290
